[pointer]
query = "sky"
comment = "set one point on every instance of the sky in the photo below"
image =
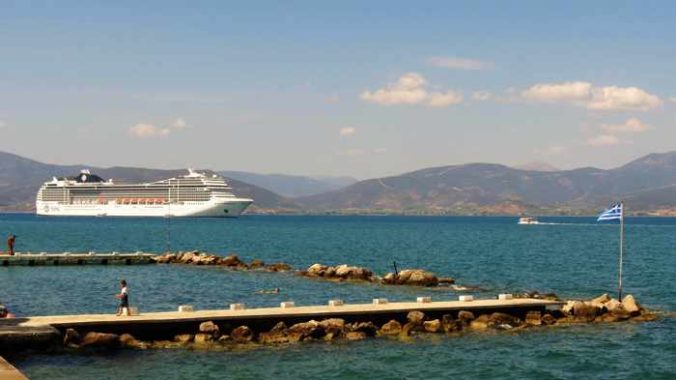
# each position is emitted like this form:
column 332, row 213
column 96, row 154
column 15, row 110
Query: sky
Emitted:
column 357, row 88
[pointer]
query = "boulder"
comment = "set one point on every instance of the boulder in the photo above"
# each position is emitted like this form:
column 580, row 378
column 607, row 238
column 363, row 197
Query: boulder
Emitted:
column 305, row 331
column 567, row 309
column 502, row 320
column 184, row 338
column 391, row 328
column 278, row 267
column 97, row 339
column 414, row 277
column 446, row 281
column 210, row 327
column 585, row 311
column 534, row 318
column 233, row 261
column 603, row 298
column 71, row 338
column 128, row 341
column 187, row 257
column 465, row 317
column 333, row 326
column 278, row 334
column 203, row 338
column 432, row 326
column 630, row 305
column 613, row 305
column 480, row 323
column 415, row 316
column 224, row 339
column 409, row 328
column 317, row 270
column 548, row 319
column 355, row 335
column 256, row 263
column 242, row 334
column 449, row 324
column 165, row 344
column 367, row 328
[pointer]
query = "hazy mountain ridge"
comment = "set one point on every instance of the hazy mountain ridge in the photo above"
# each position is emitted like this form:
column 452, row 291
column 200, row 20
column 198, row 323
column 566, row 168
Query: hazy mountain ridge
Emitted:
column 482, row 187
column 647, row 184
column 291, row 185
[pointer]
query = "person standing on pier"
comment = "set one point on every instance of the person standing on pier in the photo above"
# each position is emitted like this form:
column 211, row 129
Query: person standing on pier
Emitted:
column 123, row 309
column 10, row 244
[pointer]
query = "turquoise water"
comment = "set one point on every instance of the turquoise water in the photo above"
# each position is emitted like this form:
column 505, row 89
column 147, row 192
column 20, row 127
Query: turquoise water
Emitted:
column 573, row 257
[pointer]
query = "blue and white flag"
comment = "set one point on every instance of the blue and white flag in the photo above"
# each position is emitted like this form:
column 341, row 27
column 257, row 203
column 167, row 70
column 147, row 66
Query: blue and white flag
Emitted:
column 613, row 213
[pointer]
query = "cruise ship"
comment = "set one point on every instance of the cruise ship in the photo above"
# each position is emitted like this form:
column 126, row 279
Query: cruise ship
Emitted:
column 192, row 195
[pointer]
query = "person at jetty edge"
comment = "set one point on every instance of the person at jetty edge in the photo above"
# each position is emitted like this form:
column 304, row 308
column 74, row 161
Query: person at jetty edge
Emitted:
column 4, row 312
column 123, row 309
column 10, row 244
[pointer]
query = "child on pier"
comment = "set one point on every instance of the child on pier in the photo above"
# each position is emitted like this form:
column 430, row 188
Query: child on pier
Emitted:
column 123, row 309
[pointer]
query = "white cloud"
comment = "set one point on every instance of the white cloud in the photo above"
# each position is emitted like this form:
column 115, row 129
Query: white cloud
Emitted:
column 410, row 89
column 613, row 98
column 144, row 130
column 584, row 94
column 632, row 125
column 566, row 92
column 179, row 124
column 347, row 131
column 482, row 96
column 603, row 140
column 438, row 99
column 455, row 63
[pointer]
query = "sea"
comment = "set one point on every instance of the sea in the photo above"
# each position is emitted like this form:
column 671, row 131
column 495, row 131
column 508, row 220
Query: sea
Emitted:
column 574, row 257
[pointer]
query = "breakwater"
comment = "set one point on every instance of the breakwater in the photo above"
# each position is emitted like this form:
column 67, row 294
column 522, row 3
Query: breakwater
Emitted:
column 68, row 258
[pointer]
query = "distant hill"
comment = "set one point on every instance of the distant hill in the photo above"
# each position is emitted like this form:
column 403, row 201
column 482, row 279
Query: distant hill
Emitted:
column 20, row 179
column 537, row 166
column 291, row 185
column 492, row 188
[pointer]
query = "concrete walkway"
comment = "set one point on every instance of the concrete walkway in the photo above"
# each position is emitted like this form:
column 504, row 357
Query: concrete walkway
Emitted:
column 9, row 372
column 310, row 312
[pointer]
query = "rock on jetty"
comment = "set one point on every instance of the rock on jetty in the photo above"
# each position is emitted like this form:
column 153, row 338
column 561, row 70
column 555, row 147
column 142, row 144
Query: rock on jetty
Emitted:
column 604, row 309
column 415, row 277
column 231, row 261
column 339, row 273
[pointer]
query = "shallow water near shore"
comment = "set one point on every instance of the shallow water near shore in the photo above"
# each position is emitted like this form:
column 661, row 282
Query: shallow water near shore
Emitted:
column 573, row 257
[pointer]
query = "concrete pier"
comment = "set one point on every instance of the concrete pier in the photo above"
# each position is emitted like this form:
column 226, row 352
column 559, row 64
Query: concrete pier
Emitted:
column 9, row 372
column 164, row 325
column 68, row 258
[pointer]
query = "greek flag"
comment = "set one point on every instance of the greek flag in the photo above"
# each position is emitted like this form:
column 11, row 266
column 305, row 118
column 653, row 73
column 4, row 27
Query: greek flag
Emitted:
column 613, row 213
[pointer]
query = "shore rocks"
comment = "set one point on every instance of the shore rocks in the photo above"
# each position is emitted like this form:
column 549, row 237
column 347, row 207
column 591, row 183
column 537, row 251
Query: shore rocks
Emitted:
column 465, row 317
column 631, row 306
column 210, row 328
column 413, row 277
column 242, row 334
column 391, row 328
column 231, row 261
column 432, row 326
column 449, row 324
column 97, row 339
column 339, row 273
column 415, row 316
column 128, row 341
column 184, row 338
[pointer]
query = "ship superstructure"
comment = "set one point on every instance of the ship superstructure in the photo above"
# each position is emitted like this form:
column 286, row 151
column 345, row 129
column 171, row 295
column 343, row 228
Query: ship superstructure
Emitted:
column 192, row 195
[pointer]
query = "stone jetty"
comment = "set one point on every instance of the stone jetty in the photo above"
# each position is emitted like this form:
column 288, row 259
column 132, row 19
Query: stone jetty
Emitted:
column 69, row 258
column 221, row 329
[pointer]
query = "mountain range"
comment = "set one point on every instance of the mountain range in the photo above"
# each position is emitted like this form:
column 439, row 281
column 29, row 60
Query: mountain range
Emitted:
column 647, row 184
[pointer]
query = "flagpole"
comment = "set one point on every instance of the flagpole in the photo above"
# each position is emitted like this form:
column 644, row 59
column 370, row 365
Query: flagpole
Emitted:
column 621, row 247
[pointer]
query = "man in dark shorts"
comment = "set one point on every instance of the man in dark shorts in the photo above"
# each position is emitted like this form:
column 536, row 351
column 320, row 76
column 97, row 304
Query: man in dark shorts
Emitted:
column 10, row 245
column 123, row 309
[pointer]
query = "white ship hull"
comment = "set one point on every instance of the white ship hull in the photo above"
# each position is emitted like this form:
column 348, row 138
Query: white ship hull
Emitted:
column 213, row 208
